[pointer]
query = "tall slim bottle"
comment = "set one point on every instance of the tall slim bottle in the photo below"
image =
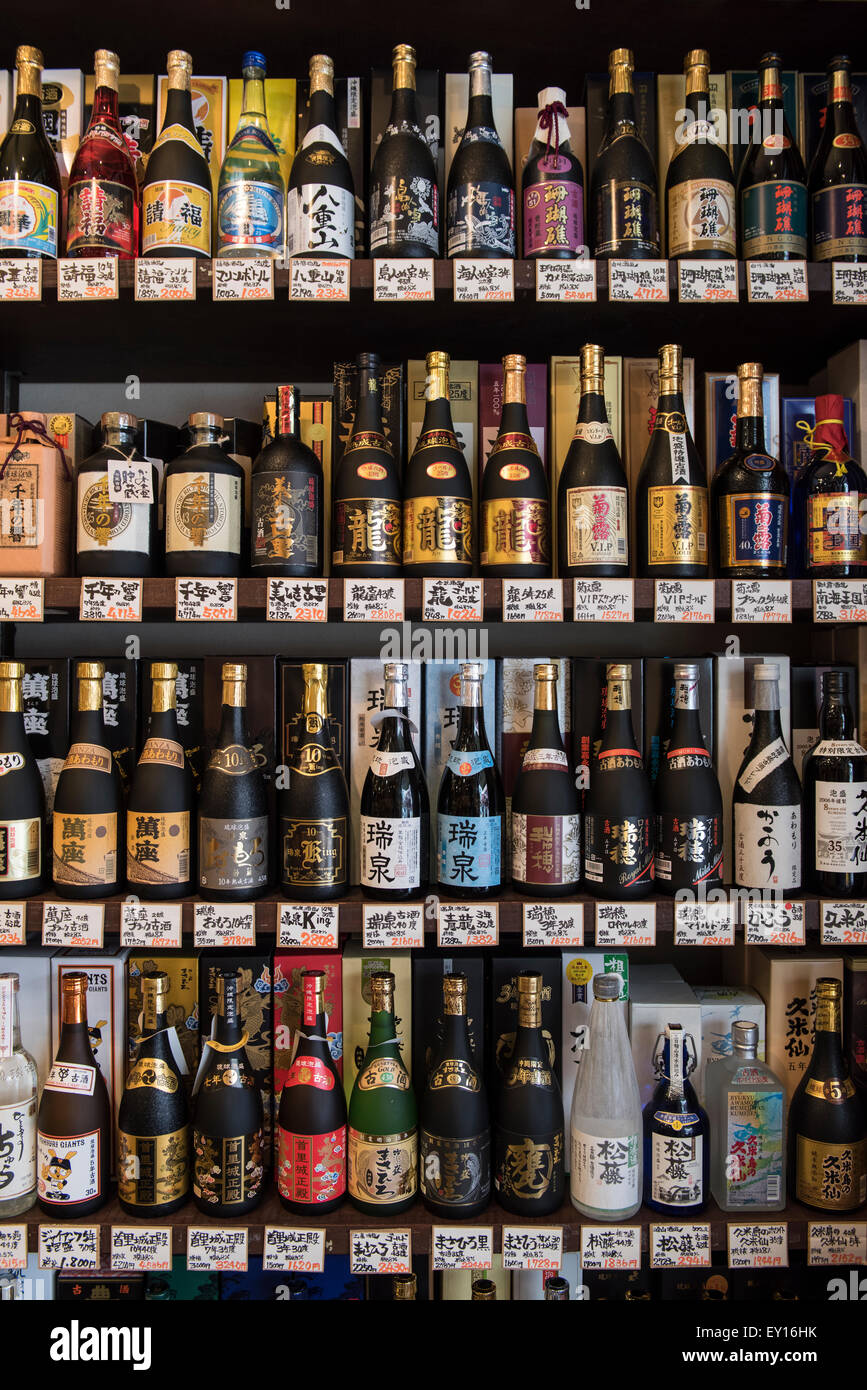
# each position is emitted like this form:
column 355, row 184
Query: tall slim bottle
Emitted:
column 286, row 500
column 204, row 492
column 320, row 202
column 311, row 1124
column 88, row 802
column 438, row 491
column 592, row 492
column 772, row 184
column 689, row 813
column 618, row 811
column 382, row 1156
column 671, row 495
column 313, row 808
column 471, row 808
column 404, row 199
column 366, row 515
column 529, row 1174
column 750, row 494
column 394, row 826
column 117, row 538
column 624, row 211
column 546, row 823
column 22, row 796
column 835, row 797
column 699, row 185
column 480, row 201
column 176, row 197
column 766, row 802
column 30, row 198
column 233, row 808
column 251, row 193
column 102, row 203
column 552, row 185
column 455, row 1135
column 18, row 1102
column 515, row 522
column 828, row 497
column 838, row 176
column 746, row 1106
column 676, row 1132
column 160, row 802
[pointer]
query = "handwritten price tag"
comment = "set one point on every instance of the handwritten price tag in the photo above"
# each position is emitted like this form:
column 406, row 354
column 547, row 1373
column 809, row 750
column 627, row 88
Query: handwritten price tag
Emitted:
column 217, row 1247
column 603, row 600
column 452, row 601
column 849, row 284
column 707, row 282
column 300, row 1252
column 397, row 282
column 22, row 600
column 20, row 280
column 638, row 282
column 681, row 1246
column 73, row 924
column 837, row 1243
column 467, row 924
column 625, row 924
column 68, row 1247
column 840, row 601
column 206, row 600
column 684, row 601
column 89, row 278
column 761, row 1245
column 13, row 1247
column 532, row 1247
column 380, row 1252
column 553, row 924
column 761, row 601
column 611, row 1247
column 232, row 924
column 483, row 282
column 392, row 928
column 130, row 480
column 13, row 924
column 136, row 1248
column 297, row 601
column 373, row 601
column 150, row 926
column 777, row 282
column 462, row 1247
column 110, row 601
column 533, row 600
column 842, row 924
column 308, row 926
column 775, row 924
column 565, row 282
column 234, row 278
column 704, row 924
column 165, row 280
column 318, row 279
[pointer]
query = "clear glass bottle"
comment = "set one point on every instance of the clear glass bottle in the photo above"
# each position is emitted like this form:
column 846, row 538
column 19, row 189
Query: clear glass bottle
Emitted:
column 251, row 194
column 18, row 1082
column 745, row 1103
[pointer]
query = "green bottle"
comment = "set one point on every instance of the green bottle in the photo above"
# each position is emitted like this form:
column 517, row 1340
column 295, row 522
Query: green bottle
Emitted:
column 251, row 194
column 383, row 1143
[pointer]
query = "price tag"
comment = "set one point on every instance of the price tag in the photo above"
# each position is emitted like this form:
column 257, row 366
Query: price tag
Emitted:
column 314, row 278
column 704, row 924
column 22, row 600
column 234, row 278
column 20, row 279
column 373, row 600
column 130, row 480
column 452, row 601
column 625, row 924
column 565, row 282
column 298, row 1251
column 13, row 925
column 380, row 1252
column 681, row 1246
column 775, row 924
column 849, row 284
column 840, row 600
column 68, row 1247
column 308, row 926
column 396, row 282
column 837, row 1243
column 110, row 601
column 533, row 600
column 532, row 1247
column 150, row 926
column 777, row 282
column 206, row 600
column 90, row 278
column 483, row 282
column 467, row 924
column 392, row 928
column 611, row 1247
column 224, row 924
column 13, row 1247
column 553, row 924
column 841, row 924
column 683, row 601
column 760, row 1245
column 165, row 279
column 297, row 601
column 135, row 1248
column 217, row 1247
column 638, row 282
column 73, row 924
column 462, row 1247
column 603, row 600
column 761, row 600
column 707, row 282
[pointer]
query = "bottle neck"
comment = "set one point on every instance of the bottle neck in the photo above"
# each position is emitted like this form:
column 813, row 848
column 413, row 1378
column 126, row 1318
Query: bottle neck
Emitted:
column 770, row 87
column 10, row 696
column 404, row 110
column 164, row 695
column 322, row 109
column 840, row 115
column 121, row 439
column 105, row 107
column 456, row 1036
column 29, row 82
column 470, row 722
column 674, row 1066
column 253, row 102
column 766, row 727
column 394, row 732
column 698, row 100
column 669, row 401
column 164, row 724
column 827, row 1059
column 835, row 717
column 368, row 413
column 229, row 1029
column 480, row 110
column 382, row 1032
column 750, row 433
column 202, row 435
column 287, row 413
column 179, row 106
column 233, row 725
column 621, row 111
column 437, row 410
column 10, row 1026
column 315, row 702
column 686, row 730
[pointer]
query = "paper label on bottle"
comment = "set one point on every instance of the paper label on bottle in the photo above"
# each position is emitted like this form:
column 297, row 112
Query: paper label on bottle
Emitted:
column 532, row 600
column 684, row 601
column 833, row 529
column 153, row 1170
column 297, row 601
column 625, row 924
column 832, row 1176
column 178, row 215
column 381, row 1168
column 390, row 852
column 677, row 527
column 100, row 216
column 767, row 846
column 438, row 530
column 387, row 928
column 686, row 1246
column 480, row 281
column 596, row 522
column 401, row 281
column 20, row 850
column 481, row 219
column 314, row 852
column 774, row 223
column 21, row 600
column 839, row 228
column 843, row 924
column 311, row 1167
column 390, row 764
column 553, row 218
column 565, row 282
column 68, row 1168
column 762, row 765
column 603, row 600
column 837, row 1243
column 224, row 924
column 373, row 601
column 759, row 1245
column 136, row 1249
column 848, row 284
column 605, row 1171
column 74, row 1077
column 150, row 926
column 841, row 846
column 546, row 849
column 774, row 924
column 88, row 277
column 404, row 213
column 17, row 1147
column 104, row 600
column 462, row 1247
column 158, row 847
column 618, row 854
column 637, row 282
column 203, row 512
column 840, row 600
column 467, row 924
column 533, row 1247
column 761, row 601
column 227, row 1169
column 776, row 282
column 73, row 924
column 704, row 924
column 166, row 281
column 13, row 1241
column 284, row 526
column 235, row 279
column 380, row 1252
column 324, row 279
column 753, row 530
column 553, row 924
column 68, row 1247
column 20, row 279
column 206, row 600
column 29, row 217
column 544, row 760
column 452, row 600
column 676, row 1166
column 455, row 1172
column 222, row 1248
column 312, row 926
column 13, row 924
column 464, row 764
column 250, row 213
column 515, row 530
column 701, row 217
column 296, row 1251
column 469, row 851
column 85, row 846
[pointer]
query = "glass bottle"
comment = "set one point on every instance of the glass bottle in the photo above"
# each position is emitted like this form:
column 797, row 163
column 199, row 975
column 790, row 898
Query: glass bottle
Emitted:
column 829, row 494
column 30, row 198
column 366, row 515
column 592, row 491
column 88, row 801
column 320, row 203
column 233, row 807
column 153, row 1161
column 177, row 192
column 838, row 176
column 618, row 810
column 114, row 538
column 623, row 196
column 204, row 514
column 455, row 1135
column 552, row 185
column 160, row 801
column 22, row 817
column 471, row 808
column 18, row 1100
column 251, row 191
column 483, row 1291
column 750, row 494
column 313, row 807
column 766, row 802
column 772, row 185
column 480, row 201
column 676, row 1132
column 556, row 1289
column 438, row 491
column 699, row 185
column 745, row 1103
column 546, row 824
column 404, row 1287
column 671, row 495
column 835, row 797
column 383, row 1138
column 311, row 1124
column 102, row 214
column 528, row 1126
column 688, row 801
column 286, row 502
column 404, row 198
column 515, row 524
column 395, row 810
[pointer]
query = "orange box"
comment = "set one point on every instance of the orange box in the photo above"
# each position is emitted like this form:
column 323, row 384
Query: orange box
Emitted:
column 35, row 505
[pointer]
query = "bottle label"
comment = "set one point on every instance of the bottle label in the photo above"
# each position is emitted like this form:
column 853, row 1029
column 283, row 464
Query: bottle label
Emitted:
column 516, row 531
column 235, row 760
column 68, row 1168
column 627, row 219
column 20, row 850
column 701, row 217
column 443, row 469
column 390, row 852
column 546, row 850
column 676, row 1175
column 164, row 752
column 153, row 1170
column 177, row 215
column 438, row 531
column 320, row 220
column 455, row 1172
column 464, row 764
column 831, row 1176
column 311, row 1167
column 203, row 512
column 619, row 853
column 753, row 1154
column 513, row 439
column 368, row 439
column 250, row 213
column 11, row 762
column 309, row 1071
column 677, row 525
column 841, row 827
column 103, row 524
column 688, row 849
column 774, row 219
column 529, row 1167
column 604, row 1172
column 386, row 1073
column 553, row 217
column 596, row 525
column 85, row 848
column 544, row 760
column 227, row 1171
column 767, row 846
column 402, row 212
column 838, row 748
column 839, row 226
column 28, row 217
column 158, row 847
column 153, row 1073
column 367, row 532
column 17, row 1149
column 469, row 851
column 454, row 1074
column 22, row 505
column 233, row 853
column 390, row 764
column 90, row 756
column 481, row 217
column 834, row 535
column 314, row 851
column 753, row 530
column 285, row 520
column 100, row 216
column 381, row 1168
column 593, row 432
column 762, row 765
column 74, row 1078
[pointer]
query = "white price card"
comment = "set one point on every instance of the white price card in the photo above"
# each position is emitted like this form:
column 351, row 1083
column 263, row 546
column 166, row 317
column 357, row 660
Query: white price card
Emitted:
column 68, row 1247
column 396, row 282
column 849, row 283
column 141, row 1248
column 611, row 1247
column 20, row 279
column 73, row 924
column 758, row 1245
column 840, row 924
column 13, row 1247
column 297, row 601
column 533, row 600
column 150, row 926
column 89, row 278
column 707, row 282
column 565, row 282
column 296, row 1250
column 110, row 600
column 22, row 600
column 483, row 282
column 373, row 600
column 625, row 924
column 603, row 600
column 638, row 282
column 777, row 282
column 392, row 928
column 532, row 1247
column 837, row 1242
column 217, row 1247
column 683, row 1245
column 467, row 924
column 840, row 600
column 704, row 924
column 553, row 924
column 761, row 600
column 13, row 924
column 452, row 601
column 380, row 1252
column 206, row 600
column 683, row 601
column 130, row 480
column 775, row 924
column 234, row 278
column 166, row 280
column 308, row 926
column 312, row 277
column 224, row 924
column 462, row 1247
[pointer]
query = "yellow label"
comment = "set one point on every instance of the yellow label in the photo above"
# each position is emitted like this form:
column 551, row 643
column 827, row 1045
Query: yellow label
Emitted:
column 839, row 541
column 383, row 1071
column 153, row 1170
column 437, row 530
column 381, row 1168
column 441, row 470
column 579, row 972
column 516, row 531
column 176, row 214
column 831, row 1176
column 373, row 471
column 152, row 1073
column 29, row 217
column 677, row 525
column 85, row 849
column 158, row 847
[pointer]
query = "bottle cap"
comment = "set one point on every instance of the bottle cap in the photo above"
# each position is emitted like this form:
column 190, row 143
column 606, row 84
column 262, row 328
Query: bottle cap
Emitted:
column 403, row 1286
column 25, row 53
column 592, row 360
column 549, row 95
column 484, row 1290
column 382, row 992
column 480, row 60
column 621, row 58
column 437, row 360
column 472, row 670
column 685, row 671
column 835, row 680
column 745, row 1035
column 770, row 60
column 556, row 1289
column 403, row 53
column 607, row 985
column 454, row 987
column 177, row 58
column 396, row 671
column 529, row 983
column 618, row 671
column 10, row 975
column 75, row 982
column 546, row 671
column 164, row 671
column 11, row 670
column 313, row 671
column 104, row 58
column 368, row 360
column 157, row 981
column 118, row 420
column 696, row 58
column 234, row 671
column 841, row 62
column 205, row 420
column 252, row 59
column 320, row 63
column 671, row 359
column 766, row 671
column 89, row 671
column 514, row 362
column 829, row 989
column 750, row 371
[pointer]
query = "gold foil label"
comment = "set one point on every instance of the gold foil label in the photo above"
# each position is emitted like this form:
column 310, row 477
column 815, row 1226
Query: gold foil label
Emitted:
column 515, row 440
column 369, row 440
column 158, row 847
column 677, row 525
column 152, row 1073
column 153, row 1170
column 314, row 851
column 831, row 1176
column 85, row 849
column 381, row 1168
column 701, row 217
column 367, row 532
column 835, row 1091
column 516, row 531
column 841, row 542
column 91, row 756
column 383, row 1072
column 528, row 1169
column 227, row 1170
column 437, row 530
column 163, row 751
column 597, row 528
column 454, row 1073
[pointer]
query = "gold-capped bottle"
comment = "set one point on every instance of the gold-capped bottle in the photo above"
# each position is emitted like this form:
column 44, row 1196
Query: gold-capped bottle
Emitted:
column 313, row 806
column 233, row 808
column 88, row 802
column 528, row 1129
column 320, row 201
column 118, row 538
column 750, row 494
column 404, row 199
column 592, row 492
column 160, row 803
column 699, row 185
column 838, row 175
column 624, row 211
column 484, row 1291
column 286, row 499
column 404, row 1288
column 438, row 492
column 455, row 1133
column 671, row 497
column 204, row 491
column 382, row 1155
column 177, row 193
column 516, row 511
column 22, row 796
column 366, row 515
column 29, row 178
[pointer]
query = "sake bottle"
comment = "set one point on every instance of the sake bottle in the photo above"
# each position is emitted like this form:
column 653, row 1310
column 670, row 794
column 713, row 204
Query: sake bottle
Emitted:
column 438, row 491
column 382, row 1154
column 515, row 521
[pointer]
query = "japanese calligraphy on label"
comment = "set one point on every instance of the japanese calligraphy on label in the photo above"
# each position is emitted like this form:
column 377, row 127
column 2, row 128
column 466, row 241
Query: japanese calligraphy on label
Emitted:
column 840, row 600
column 88, row 278
column 391, row 928
column 165, row 280
column 777, row 282
column 206, row 600
column 68, row 1247
column 300, row 1251
column 532, row 600
column 553, row 924
column 565, row 282
column 380, row 1252
column 626, row 924
column 146, row 1248
column 761, row 601
column 849, row 283
column 452, row 601
column 20, row 279
column 532, row 1247
column 234, row 278
column 462, row 1247
column 681, row 1246
column 837, row 1242
column 13, row 924
column 683, row 601
column 603, row 600
column 73, row 924
column 638, row 282
column 13, row 1247
column 760, row 1245
column 22, row 600
column 610, row 1247
column 308, row 926
column 707, row 282
column 704, row 924
column 775, row 924
column 843, row 924
column 153, row 926
column 467, row 924
column 110, row 600
column 224, row 924
column 217, row 1247
column 297, row 600
column 373, row 601
column 483, row 282
column 310, row 278
column 396, row 281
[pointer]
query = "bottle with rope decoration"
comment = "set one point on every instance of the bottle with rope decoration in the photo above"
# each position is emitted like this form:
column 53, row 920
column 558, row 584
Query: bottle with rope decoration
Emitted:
column 552, row 185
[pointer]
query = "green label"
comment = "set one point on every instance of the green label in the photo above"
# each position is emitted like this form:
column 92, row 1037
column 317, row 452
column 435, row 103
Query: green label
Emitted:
column 774, row 219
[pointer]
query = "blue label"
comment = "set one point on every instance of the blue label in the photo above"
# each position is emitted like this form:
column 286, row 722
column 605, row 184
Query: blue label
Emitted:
column 753, row 530
column 469, row 851
column 250, row 214
column 466, row 764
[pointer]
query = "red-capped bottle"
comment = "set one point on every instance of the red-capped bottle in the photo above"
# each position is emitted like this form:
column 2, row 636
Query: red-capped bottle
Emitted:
column 103, row 208
column 830, row 492
column 311, row 1134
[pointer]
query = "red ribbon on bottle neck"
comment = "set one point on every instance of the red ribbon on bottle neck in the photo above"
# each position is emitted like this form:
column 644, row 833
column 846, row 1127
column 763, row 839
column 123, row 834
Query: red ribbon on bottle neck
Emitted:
column 25, row 426
column 549, row 119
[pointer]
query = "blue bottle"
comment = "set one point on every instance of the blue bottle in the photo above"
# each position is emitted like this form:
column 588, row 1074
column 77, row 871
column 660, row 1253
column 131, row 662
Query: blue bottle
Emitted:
column 676, row 1133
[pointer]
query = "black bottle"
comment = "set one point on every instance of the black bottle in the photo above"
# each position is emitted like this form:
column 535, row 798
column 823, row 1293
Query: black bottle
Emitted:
column 366, row 515
column 750, row 495
column 671, row 495
column 286, row 500
column 438, row 491
column 838, row 176
column 454, row 1123
column 699, row 185
column 204, row 512
column 624, row 211
column 592, row 491
column 689, row 813
column 313, row 808
column 618, row 812
column 835, row 797
column 159, row 811
column 117, row 538
column 480, row 202
column 772, row 184
column 233, row 808
column 394, row 826
column 153, row 1120
column 320, row 199
column 404, row 198
column 87, row 825
column 528, row 1127
column 471, row 807
column 676, row 1132
column 22, row 796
